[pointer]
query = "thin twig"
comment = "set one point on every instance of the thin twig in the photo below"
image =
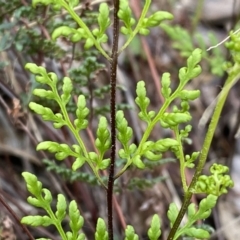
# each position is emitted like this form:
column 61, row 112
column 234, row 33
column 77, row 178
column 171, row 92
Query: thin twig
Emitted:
column 223, row 41
column 21, row 153
column 16, row 218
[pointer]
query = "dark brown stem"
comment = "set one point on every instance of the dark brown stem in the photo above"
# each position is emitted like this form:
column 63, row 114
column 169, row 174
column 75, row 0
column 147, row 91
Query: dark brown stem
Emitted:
column 113, row 78
column 16, row 218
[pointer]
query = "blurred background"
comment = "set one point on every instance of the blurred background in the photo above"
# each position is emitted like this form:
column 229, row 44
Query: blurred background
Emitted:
column 25, row 36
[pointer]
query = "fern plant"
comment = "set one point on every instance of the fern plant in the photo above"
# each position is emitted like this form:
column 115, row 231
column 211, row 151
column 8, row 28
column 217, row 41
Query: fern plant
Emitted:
column 185, row 42
column 130, row 154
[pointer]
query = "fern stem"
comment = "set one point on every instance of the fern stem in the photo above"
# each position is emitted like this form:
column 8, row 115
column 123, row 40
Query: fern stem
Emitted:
column 158, row 117
column 76, row 135
column 149, row 129
column 197, row 15
column 139, row 25
column 86, row 29
column 206, row 145
column 56, row 221
column 113, row 79
column 181, row 159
